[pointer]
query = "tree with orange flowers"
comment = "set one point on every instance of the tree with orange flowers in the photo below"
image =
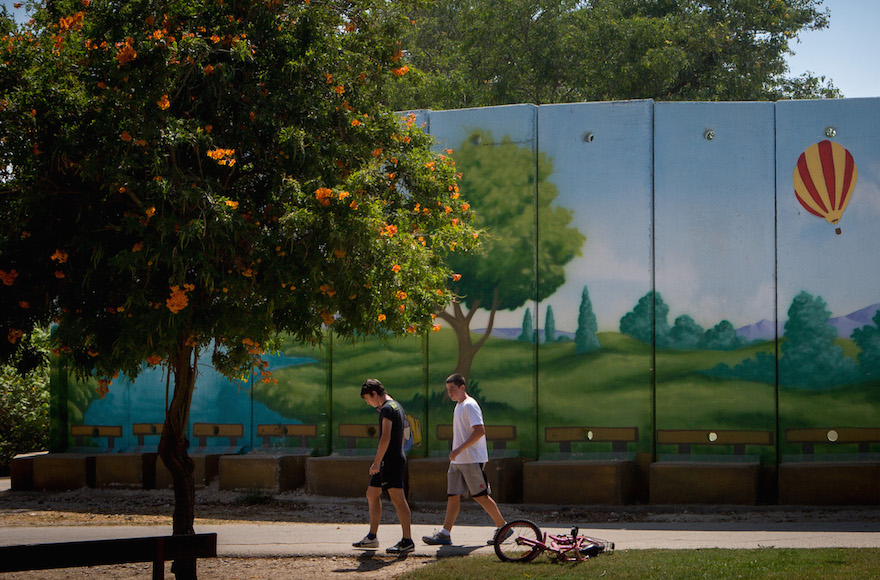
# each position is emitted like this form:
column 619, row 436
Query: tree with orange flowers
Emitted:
column 187, row 176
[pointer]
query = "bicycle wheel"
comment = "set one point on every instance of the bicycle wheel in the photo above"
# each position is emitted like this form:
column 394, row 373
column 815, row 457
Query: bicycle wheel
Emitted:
column 518, row 541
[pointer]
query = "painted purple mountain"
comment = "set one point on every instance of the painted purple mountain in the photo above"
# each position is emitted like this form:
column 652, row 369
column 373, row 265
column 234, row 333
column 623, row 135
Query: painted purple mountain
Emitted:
column 763, row 330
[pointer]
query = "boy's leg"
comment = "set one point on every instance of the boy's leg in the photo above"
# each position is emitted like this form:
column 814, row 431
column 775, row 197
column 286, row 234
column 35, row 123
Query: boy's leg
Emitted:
column 374, row 500
column 491, row 508
column 453, row 505
column 398, row 498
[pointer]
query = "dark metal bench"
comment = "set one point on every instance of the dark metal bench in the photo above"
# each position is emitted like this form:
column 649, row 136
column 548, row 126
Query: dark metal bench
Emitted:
column 156, row 549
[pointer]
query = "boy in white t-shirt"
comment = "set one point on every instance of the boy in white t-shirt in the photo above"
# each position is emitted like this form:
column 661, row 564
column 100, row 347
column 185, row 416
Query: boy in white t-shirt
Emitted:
column 466, row 460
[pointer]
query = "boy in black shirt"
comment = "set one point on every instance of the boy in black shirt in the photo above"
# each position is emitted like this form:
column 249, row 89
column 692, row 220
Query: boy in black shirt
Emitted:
column 387, row 469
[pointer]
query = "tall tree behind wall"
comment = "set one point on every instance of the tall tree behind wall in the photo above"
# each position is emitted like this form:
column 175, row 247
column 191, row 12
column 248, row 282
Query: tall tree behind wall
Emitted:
column 471, row 53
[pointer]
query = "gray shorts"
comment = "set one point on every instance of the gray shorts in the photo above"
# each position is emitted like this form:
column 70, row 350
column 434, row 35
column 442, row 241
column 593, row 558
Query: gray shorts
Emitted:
column 467, row 479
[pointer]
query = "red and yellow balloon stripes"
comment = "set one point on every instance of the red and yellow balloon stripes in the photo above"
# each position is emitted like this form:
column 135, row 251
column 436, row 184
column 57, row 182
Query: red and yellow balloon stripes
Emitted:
column 824, row 180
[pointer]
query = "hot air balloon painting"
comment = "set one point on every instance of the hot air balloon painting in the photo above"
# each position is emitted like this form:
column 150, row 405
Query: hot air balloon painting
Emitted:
column 824, row 180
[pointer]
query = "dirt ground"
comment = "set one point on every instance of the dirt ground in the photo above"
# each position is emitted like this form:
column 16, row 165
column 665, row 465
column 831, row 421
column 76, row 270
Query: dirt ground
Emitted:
column 153, row 507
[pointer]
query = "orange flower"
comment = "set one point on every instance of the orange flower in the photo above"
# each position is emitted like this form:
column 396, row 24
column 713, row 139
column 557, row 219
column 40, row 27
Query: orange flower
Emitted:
column 137, row 247
column 399, row 72
column 389, row 230
column 59, row 274
column 163, row 102
column 339, row 89
column 178, row 300
column 456, row 277
column 154, row 359
column 377, row 152
column 395, row 268
column 232, row 204
column 59, row 256
column 381, row 318
column 323, row 195
column 125, row 136
column 24, row 304
column 465, row 206
column 355, row 123
column 327, row 317
column 436, row 328
column 8, row 278
column 126, row 52
column 14, row 334
column 400, row 295
column 209, row 69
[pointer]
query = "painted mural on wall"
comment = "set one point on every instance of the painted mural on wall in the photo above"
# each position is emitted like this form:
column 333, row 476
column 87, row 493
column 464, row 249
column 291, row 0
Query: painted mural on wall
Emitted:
column 659, row 278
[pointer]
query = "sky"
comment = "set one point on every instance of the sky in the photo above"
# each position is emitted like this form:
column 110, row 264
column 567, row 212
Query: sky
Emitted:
column 847, row 51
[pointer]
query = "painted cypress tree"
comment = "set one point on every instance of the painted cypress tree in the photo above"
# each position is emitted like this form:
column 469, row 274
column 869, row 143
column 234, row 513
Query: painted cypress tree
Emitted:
column 549, row 326
column 585, row 339
column 528, row 329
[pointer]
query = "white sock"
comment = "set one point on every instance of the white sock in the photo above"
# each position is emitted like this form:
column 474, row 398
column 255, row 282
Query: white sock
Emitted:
column 445, row 531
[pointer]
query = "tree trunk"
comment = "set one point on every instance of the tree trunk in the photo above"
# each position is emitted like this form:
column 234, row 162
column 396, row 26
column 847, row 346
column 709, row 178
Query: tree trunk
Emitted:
column 460, row 323
column 172, row 450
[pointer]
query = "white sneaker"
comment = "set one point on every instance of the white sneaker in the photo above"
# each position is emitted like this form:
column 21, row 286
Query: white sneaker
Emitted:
column 367, row 543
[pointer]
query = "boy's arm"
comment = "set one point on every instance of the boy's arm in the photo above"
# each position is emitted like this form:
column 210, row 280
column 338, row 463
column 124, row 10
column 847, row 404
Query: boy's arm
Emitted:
column 478, row 431
column 384, row 441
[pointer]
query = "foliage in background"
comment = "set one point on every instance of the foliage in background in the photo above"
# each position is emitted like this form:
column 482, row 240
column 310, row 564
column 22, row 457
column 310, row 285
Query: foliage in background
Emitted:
column 472, row 53
column 24, row 407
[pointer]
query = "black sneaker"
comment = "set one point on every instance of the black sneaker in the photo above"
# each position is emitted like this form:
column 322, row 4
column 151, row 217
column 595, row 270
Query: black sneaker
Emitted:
column 402, row 547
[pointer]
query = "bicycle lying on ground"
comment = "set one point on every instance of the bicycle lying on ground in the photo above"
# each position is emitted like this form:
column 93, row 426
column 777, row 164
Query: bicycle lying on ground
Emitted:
column 522, row 541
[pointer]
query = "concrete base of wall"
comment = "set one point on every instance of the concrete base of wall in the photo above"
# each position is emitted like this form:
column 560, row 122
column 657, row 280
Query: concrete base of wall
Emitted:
column 829, row 483
column 133, row 470
column 21, row 471
column 584, row 482
column 427, row 479
column 704, row 483
column 59, row 471
column 275, row 473
column 206, row 469
column 338, row 476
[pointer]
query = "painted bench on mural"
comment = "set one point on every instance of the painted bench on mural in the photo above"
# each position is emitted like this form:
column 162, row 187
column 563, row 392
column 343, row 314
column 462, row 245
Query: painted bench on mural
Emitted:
column 156, row 549
column 269, row 467
column 617, row 436
column 81, row 433
column 351, row 432
column 569, row 479
column 708, row 481
column 266, row 433
column 232, row 431
column 497, row 435
column 819, row 479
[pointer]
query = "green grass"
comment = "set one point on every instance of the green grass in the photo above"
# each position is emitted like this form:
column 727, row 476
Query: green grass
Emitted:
column 714, row 564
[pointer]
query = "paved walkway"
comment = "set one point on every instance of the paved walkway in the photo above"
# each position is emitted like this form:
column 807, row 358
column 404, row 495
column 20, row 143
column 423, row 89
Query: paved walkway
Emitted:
column 274, row 540
column 284, row 540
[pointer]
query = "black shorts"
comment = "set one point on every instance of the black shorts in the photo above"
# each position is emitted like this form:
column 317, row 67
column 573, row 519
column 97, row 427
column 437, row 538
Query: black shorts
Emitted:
column 389, row 476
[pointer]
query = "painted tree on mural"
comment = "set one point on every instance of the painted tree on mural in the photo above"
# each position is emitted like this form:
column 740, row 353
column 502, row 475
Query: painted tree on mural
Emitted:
column 647, row 320
column 585, row 339
column 809, row 358
column 868, row 340
column 528, row 328
column 498, row 178
column 205, row 177
column 494, row 52
column 550, row 326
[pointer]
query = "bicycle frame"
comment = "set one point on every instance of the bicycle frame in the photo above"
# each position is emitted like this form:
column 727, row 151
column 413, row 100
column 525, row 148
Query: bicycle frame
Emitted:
column 568, row 548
